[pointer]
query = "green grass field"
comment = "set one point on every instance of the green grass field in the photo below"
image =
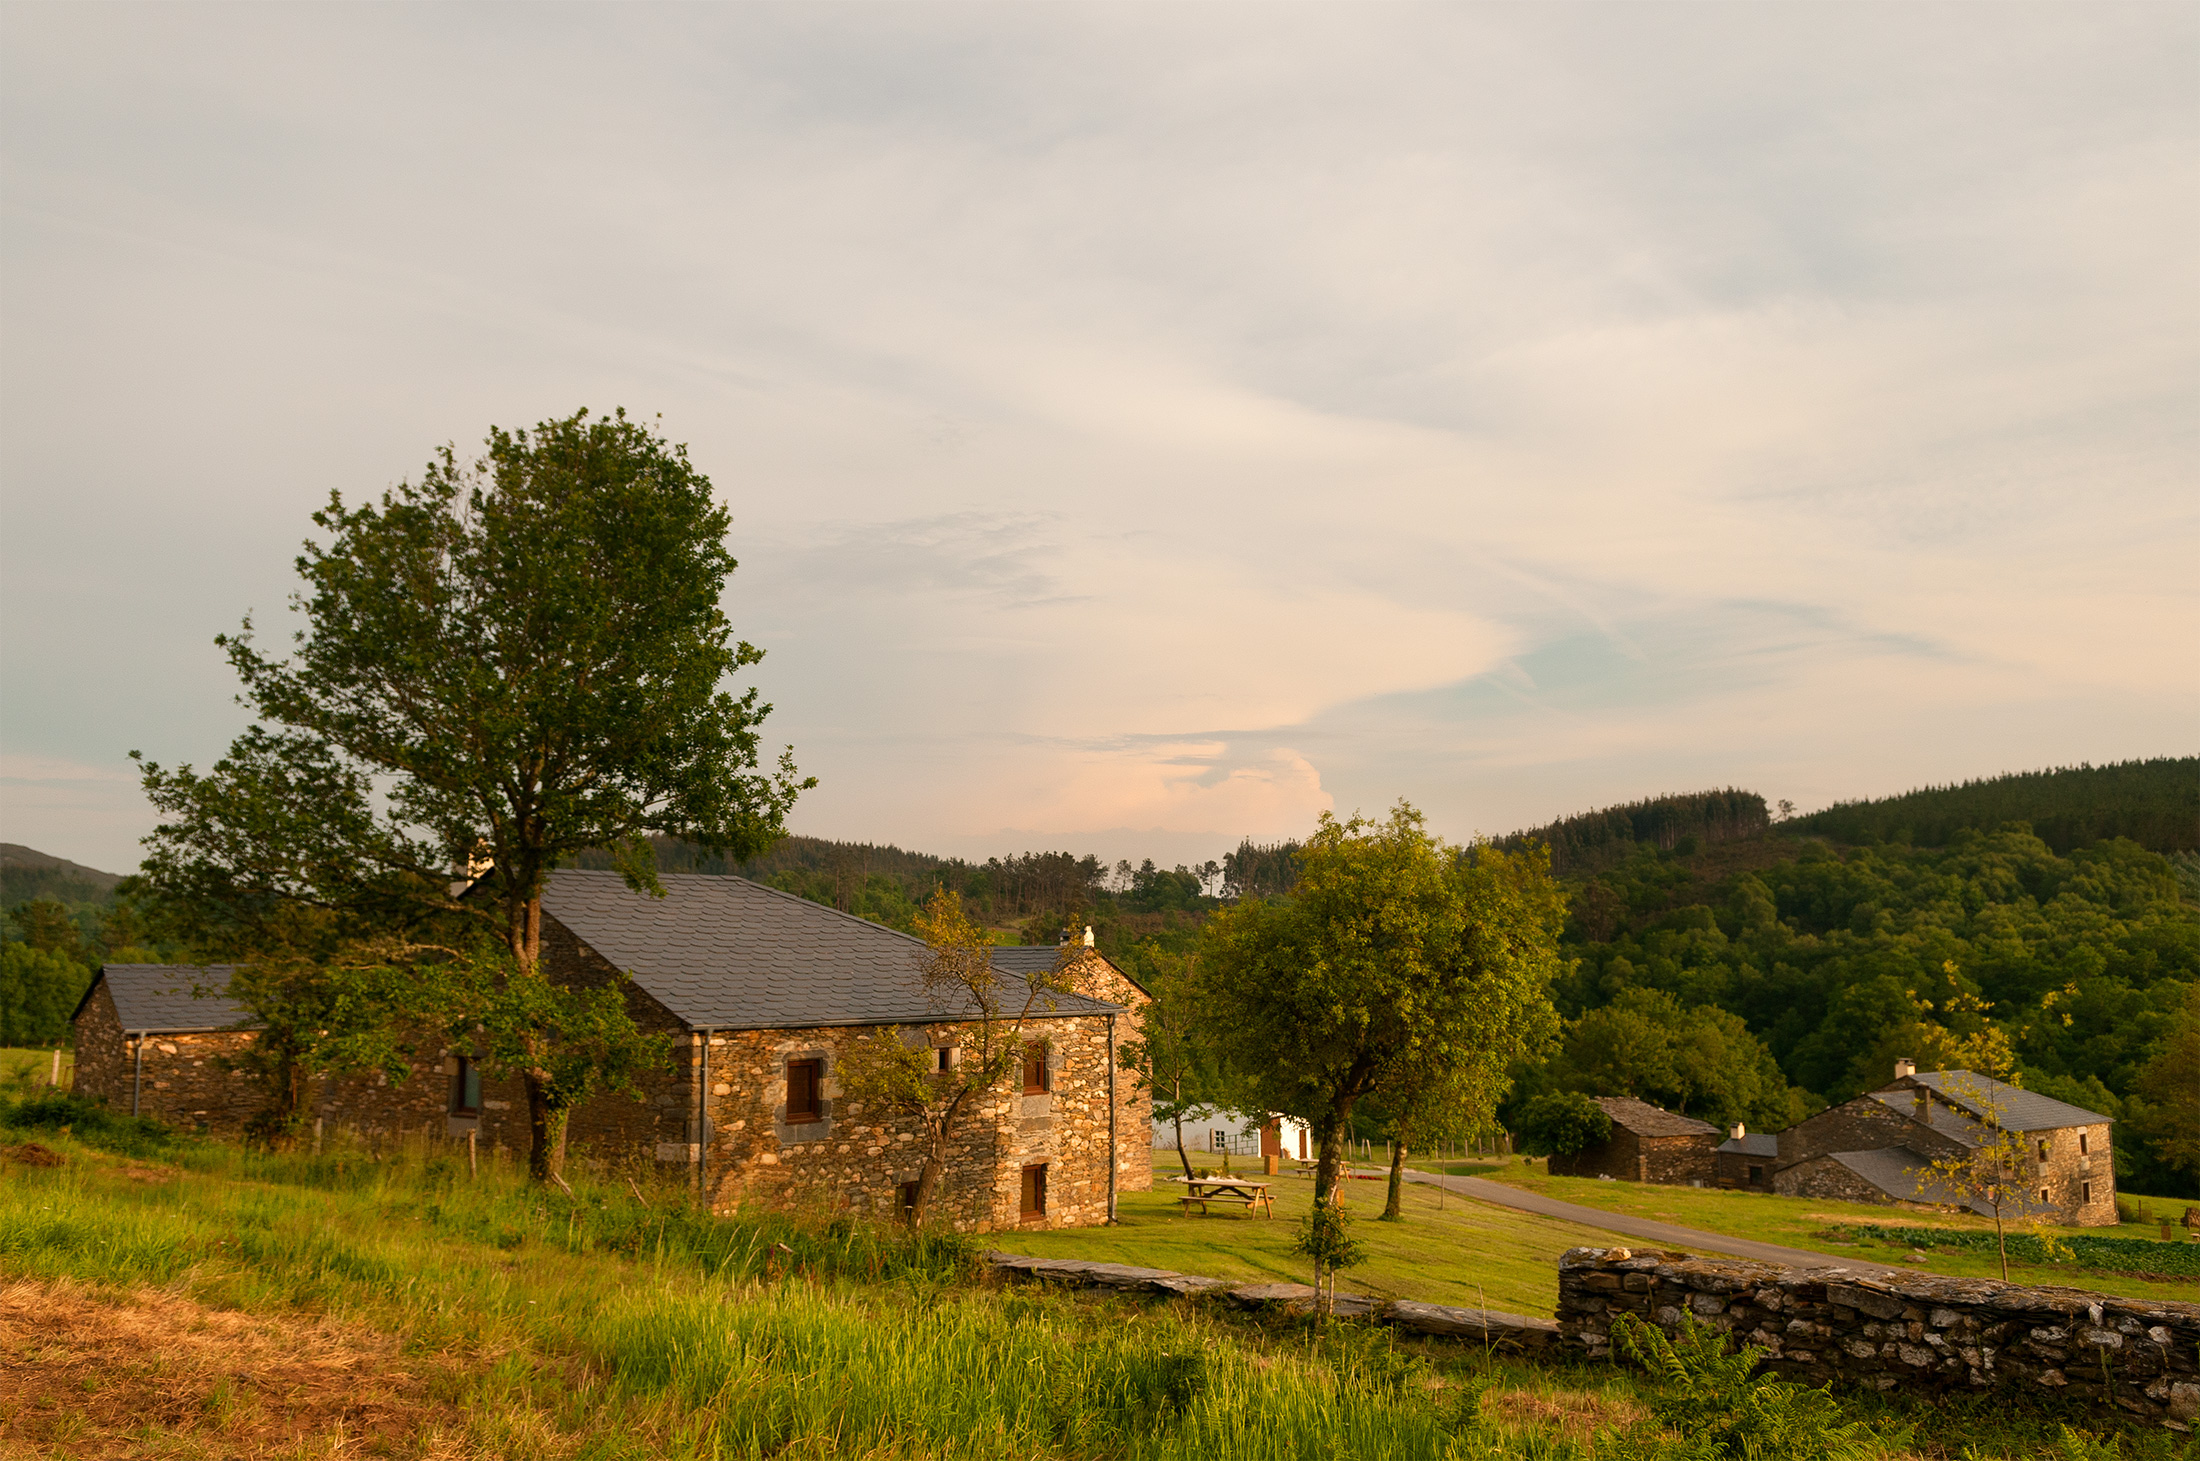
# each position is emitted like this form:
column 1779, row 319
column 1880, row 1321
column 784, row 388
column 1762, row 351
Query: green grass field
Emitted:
column 168, row 1298
column 1447, row 1251
column 1803, row 1222
column 22, row 1070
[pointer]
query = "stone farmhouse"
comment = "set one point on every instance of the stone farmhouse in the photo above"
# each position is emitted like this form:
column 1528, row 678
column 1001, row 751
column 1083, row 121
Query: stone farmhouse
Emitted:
column 1647, row 1144
column 1881, row 1147
column 761, row 993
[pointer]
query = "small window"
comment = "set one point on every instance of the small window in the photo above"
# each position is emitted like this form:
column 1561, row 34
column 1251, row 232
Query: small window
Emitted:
column 1035, row 1191
column 466, row 1088
column 805, row 1090
column 2081, row 1143
column 1036, row 1076
column 1756, row 1176
column 2043, row 1148
column 2044, row 1197
column 949, row 1057
column 2085, row 1192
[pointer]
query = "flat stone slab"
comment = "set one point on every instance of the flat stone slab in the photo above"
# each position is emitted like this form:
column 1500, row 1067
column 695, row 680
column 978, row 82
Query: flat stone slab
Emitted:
column 1261, row 1295
column 1492, row 1326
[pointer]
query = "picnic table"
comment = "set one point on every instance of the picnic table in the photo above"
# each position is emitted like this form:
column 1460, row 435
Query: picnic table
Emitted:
column 1204, row 1190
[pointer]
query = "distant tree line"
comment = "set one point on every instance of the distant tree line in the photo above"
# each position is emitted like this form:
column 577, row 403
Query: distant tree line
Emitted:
column 2153, row 803
column 1595, row 840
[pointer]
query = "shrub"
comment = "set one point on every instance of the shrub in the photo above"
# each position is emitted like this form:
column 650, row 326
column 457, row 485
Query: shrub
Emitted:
column 1710, row 1397
column 1561, row 1123
column 88, row 1121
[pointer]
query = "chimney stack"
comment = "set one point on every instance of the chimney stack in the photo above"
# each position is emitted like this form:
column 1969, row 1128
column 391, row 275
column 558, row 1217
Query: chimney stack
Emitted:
column 1904, row 1066
column 1740, row 1131
column 1088, row 935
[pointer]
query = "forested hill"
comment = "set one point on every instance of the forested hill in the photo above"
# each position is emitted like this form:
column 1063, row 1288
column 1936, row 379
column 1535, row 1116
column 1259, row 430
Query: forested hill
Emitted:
column 27, row 873
column 2153, row 803
column 1595, row 840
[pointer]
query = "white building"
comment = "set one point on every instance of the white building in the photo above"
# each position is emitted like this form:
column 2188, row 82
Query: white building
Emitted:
column 1208, row 1129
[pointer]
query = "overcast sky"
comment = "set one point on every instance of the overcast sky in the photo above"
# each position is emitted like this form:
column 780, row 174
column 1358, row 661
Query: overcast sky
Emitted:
column 1146, row 426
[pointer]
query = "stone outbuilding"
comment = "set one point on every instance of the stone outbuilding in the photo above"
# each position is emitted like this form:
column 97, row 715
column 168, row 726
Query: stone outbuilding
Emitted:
column 761, row 994
column 1891, row 1146
column 1647, row 1144
column 150, row 1040
column 1744, row 1162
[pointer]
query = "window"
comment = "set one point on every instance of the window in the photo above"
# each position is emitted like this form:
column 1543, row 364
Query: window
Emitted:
column 1035, row 1191
column 2043, row 1148
column 2081, row 1143
column 466, row 1088
column 805, row 1090
column 950, row 1056
column 2044, row 1197
column 1036, row 1075
column 1756, row 1176
column 908, row 1195
column 2085, row 1192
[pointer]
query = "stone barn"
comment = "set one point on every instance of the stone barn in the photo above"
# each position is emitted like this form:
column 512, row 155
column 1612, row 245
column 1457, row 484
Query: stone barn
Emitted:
column 761, row 994
column 149, row 1041
column 1647, row 1144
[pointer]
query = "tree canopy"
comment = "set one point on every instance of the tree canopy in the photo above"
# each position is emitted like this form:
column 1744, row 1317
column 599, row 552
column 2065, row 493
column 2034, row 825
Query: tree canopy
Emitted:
column 1393, row 952
column 514, row 659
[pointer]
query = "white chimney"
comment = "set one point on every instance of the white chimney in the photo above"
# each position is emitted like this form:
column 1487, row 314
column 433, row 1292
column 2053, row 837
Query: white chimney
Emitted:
column 1740, row 1131
column 1904, row 1066
column 1088, row 935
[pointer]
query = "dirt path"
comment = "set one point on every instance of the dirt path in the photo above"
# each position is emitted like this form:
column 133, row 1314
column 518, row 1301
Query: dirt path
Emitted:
column 1498, row 1194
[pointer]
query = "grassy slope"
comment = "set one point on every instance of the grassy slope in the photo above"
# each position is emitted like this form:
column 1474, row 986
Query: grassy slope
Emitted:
column 1447, row 1251
column 1801, row 1222
column 203, row 1302
column 29, row 1069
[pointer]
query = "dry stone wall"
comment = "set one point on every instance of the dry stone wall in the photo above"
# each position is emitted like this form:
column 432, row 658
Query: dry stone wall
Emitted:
column 1927, row 1333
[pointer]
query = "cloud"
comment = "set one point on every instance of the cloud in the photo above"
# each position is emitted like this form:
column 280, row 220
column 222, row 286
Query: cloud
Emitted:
column 1162, row 425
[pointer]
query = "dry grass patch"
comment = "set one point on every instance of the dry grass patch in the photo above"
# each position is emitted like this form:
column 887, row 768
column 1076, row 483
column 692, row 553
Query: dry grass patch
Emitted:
column 151, row 1374
column 1576, row 1414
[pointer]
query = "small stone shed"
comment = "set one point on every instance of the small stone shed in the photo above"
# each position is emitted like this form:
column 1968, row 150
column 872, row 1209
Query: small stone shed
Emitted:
column 149, row 1038
column 761, row 994
column 1882, row 1147
column 1744, row 1161
column 1648, row 1144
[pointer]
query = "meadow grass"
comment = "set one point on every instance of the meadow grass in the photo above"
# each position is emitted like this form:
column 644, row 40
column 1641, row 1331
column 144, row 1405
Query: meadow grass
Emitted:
column 22, row 1071
column 1837, row 1229
column 1447, row 1250
column 187, row 1298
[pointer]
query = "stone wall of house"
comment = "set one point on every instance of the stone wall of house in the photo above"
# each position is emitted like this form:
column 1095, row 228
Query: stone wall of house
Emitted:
column 1925, row 1333
column 1675, row 1160
column 1732, row 1170
column 1863, row 1124
column 860, row 1159
column 2080, row 1184
column 181, row 1082
column 1825, row 1178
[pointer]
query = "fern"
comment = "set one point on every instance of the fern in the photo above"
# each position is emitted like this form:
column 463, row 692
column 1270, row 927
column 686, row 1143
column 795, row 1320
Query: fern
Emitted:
column 1709, row 1395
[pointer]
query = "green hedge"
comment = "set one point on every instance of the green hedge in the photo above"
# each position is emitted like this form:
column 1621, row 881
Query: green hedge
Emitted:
column 2110, row 1255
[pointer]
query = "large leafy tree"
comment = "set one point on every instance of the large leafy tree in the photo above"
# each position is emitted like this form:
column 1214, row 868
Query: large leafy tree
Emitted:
column 514, row 659
column 1392, row 952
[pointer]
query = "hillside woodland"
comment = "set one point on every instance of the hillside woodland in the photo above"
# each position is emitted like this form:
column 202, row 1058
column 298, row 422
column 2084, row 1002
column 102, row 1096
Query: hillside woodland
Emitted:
column 1725, row 959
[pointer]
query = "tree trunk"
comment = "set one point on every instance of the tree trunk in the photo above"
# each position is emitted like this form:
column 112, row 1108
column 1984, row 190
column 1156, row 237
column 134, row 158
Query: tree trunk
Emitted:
column 546, row 1125
column 1391, row 1212
column 1332, row 1158
column 1182, row 1155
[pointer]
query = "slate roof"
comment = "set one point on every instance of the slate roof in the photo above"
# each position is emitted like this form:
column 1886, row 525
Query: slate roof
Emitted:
column 725, row 953
column 1756, row 1144
column 2017, row 1109
column 1908, row 1177
column 1644, row 1119
column 1026, row 959
column 157, row 998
